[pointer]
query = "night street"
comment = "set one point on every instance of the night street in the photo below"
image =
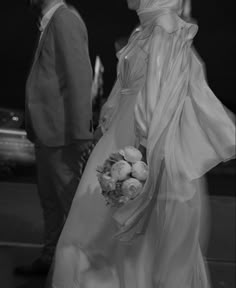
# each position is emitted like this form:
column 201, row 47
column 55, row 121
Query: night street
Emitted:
column 21, row 229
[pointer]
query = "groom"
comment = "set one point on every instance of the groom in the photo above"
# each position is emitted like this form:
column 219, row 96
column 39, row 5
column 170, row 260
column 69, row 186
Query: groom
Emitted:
column 58, row 116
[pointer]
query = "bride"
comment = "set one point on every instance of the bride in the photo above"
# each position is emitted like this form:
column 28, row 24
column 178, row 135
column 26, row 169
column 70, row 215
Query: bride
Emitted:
column 162, row 105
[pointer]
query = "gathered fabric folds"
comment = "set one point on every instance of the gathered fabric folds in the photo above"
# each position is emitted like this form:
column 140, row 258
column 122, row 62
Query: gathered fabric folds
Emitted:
column 160, row 100
column 185, row 125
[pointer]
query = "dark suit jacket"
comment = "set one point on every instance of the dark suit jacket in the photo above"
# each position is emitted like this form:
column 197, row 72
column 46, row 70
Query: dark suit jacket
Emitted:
column 58, row 89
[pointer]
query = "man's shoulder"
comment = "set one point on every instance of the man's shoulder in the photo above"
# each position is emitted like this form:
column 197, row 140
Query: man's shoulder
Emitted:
column 68, row 15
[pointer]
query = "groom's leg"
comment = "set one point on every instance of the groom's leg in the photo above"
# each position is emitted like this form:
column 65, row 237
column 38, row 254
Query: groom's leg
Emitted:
column 48, row 186
column 66, row 167
column 69, row 170
column 57, row 184
column 58, row 179
column 48, row 282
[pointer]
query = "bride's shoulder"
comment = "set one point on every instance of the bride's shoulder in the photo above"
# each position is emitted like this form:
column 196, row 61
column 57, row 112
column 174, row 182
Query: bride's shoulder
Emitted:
column 135, row 32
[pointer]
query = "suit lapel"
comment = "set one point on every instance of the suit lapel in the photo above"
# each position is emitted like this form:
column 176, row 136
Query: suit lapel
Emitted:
column 42, row 40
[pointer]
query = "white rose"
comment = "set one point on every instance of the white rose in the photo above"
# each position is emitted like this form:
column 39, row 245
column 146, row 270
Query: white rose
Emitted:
column 123, row 199
column 107, row 183
column 120, row 170
column 140, row 170
column 131, row 188
column 131, row 154
column 121, row 152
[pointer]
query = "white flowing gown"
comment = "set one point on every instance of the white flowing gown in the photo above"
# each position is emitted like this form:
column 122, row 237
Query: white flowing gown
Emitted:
column 161, row 100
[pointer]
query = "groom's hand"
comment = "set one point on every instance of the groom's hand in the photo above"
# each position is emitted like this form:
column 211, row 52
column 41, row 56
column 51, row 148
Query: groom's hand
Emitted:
column 81, row 146
column 97, row 134
column 83, row 150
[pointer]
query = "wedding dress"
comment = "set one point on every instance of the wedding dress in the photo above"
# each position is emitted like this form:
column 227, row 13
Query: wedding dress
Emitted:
column 162, row 101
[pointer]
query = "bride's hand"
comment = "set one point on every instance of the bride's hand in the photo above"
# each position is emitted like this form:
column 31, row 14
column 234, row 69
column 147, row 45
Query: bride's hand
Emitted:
column 143, row 150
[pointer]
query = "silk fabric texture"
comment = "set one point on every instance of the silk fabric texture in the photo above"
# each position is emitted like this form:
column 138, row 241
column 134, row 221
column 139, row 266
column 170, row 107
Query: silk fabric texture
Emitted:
column 176, row 108
column 161, row 99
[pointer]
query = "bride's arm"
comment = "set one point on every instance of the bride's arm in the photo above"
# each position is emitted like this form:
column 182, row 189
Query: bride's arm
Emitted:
column 143, row 150
column 109, row 108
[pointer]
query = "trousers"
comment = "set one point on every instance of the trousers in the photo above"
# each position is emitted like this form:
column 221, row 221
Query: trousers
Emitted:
column 57, row 181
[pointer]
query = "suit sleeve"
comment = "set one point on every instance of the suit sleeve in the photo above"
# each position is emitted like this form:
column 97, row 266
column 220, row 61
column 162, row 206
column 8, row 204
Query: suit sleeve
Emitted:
column 74, row 74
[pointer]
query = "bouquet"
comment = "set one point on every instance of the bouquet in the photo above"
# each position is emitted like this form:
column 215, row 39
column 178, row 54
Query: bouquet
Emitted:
column 122, row 176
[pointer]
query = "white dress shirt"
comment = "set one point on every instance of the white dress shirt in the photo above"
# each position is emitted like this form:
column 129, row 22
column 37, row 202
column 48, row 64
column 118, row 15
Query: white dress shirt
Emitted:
column 48, row 12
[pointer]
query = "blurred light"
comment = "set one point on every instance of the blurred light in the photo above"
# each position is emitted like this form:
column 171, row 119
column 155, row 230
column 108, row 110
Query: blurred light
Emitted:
column 13, row 132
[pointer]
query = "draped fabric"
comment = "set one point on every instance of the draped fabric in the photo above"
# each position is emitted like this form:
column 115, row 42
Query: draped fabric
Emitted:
column 161, row 100
column 180, row 117
column 180, row 7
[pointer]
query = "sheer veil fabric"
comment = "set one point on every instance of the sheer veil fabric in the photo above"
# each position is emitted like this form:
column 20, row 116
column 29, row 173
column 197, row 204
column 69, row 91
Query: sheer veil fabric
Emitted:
column 161, row 100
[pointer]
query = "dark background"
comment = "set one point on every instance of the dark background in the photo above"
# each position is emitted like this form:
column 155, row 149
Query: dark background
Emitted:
column 20, row 213
column 106, row 21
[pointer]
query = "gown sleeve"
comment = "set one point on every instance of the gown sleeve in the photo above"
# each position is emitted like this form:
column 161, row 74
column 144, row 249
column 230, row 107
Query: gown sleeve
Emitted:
column 186, row 128
column 109, row 109
column 150, row 93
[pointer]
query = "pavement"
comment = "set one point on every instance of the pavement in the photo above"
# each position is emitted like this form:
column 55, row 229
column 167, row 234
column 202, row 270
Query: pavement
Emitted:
column 21, row 230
